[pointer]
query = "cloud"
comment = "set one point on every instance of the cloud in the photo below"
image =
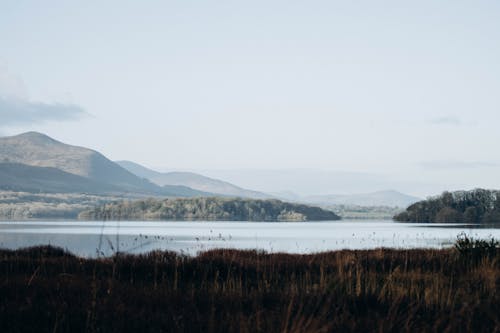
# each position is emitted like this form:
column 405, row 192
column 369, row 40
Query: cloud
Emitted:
column 21, row 112
column 459, row 164
column 17, row 109
column 446, row 120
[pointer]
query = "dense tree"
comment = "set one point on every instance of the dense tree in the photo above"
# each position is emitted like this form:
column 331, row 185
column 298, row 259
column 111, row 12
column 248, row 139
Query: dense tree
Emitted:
column 207, row 209
column 476, row 206
column 491, row 217
column 471, row 215
column 448, row 215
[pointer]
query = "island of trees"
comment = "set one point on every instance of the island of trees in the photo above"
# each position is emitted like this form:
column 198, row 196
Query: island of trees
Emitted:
column 476, row 206
column 221, row 209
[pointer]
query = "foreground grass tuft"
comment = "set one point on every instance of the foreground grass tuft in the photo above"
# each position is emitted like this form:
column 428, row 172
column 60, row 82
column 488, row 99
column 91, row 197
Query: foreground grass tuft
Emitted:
column 46, row 289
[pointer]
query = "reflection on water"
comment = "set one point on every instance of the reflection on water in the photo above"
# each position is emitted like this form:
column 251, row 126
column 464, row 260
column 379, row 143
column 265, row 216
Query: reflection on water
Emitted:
column 105, row 238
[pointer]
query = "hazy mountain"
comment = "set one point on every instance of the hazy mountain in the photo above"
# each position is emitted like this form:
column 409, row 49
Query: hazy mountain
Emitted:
column 39, row 150
column 192, row 180
column 380, row 198
column 139, row 170
column 287, row 195
column 306, row 182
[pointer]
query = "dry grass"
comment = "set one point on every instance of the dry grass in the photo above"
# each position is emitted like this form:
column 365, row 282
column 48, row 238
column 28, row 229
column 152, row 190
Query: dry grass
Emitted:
column 46, row 289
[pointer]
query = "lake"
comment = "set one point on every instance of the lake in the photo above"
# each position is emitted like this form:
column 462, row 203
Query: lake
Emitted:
column 92, row 239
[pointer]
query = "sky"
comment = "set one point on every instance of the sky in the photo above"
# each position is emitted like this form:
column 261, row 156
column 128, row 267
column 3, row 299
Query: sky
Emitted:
column 408, row 91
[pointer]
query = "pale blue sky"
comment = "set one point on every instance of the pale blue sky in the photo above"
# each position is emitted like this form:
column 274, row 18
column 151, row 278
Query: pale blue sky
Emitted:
column 407, row 89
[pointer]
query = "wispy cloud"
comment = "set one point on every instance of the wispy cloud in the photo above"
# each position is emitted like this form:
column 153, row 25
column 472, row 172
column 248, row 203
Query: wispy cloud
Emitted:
column 459, row 164
column 16, row 108
column 20, row 112
column 446, row 120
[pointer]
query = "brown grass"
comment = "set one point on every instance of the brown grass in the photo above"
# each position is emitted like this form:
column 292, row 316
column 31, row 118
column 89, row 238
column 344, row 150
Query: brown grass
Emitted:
column 48, row 290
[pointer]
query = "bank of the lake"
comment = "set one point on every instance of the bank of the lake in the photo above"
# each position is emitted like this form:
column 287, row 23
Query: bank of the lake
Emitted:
column 92, row 238
column 382, row 290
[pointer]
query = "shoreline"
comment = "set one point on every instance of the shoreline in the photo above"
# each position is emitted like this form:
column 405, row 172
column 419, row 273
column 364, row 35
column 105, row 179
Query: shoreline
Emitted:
column 419, row 290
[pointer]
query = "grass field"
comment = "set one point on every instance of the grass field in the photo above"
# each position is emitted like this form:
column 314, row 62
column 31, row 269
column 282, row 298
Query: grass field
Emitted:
column 455, row 290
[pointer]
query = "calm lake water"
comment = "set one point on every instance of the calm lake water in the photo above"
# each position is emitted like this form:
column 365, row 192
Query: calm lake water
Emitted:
column 91, row 239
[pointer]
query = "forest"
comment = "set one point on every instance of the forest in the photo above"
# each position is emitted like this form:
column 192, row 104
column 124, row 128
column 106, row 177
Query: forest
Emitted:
column 26, row 205
column 476, row 206
column 221, row 209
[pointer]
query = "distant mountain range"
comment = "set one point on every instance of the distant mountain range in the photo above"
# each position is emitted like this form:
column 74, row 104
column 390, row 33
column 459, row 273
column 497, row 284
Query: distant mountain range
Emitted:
column 387, row 198
column 309, row 182
column 379, row 198
column 191, row 180
column 34, row 161
column 199, row 182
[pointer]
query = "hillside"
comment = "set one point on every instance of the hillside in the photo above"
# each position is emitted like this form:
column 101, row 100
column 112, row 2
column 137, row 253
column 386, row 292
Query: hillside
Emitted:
column 27, row 178
column 380, row 198
column 476, row 206
column 208, row 209
column 38, row 150
column 191, row 180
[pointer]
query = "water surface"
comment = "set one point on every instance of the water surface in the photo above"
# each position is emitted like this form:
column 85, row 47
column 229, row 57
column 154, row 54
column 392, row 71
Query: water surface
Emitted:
column 91, row 239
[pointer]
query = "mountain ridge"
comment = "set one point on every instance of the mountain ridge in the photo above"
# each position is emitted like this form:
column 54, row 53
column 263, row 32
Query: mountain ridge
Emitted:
column 39, row 150
column 390, row 198
column 192, row 180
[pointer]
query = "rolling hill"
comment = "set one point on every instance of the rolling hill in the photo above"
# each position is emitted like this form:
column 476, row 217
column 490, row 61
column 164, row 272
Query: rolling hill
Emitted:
column 191, row 180
column 380, row 198
column 38, row 150
column 26, row 178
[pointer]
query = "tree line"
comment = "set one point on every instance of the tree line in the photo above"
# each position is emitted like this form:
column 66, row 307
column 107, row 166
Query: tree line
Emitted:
column 476, row 206
column 224, row 209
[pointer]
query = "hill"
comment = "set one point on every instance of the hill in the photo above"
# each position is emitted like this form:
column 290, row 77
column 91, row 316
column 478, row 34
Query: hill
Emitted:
column 191, row 180
column 38, row 150
column 221, row 209
column 27, row 178
column 476, row 206
column 380, row 198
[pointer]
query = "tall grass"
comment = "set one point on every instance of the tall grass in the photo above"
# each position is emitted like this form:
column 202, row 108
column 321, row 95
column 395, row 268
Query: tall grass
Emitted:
column 383, row 290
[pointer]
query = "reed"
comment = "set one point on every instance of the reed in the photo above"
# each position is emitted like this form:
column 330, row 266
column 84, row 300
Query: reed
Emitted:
column 382, row 290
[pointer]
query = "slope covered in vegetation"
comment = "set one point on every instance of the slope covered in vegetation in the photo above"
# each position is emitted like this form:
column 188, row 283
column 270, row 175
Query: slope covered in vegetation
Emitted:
column 223, row 209
column 476, row 206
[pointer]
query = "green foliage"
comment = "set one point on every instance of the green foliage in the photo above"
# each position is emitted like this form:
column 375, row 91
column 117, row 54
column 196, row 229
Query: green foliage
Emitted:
column 448, row 215
column 476, row 206
column 211, row 208
column 25, row 205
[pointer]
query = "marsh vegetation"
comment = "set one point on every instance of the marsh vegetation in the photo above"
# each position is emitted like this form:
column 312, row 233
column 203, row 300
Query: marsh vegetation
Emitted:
column 382, row 290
